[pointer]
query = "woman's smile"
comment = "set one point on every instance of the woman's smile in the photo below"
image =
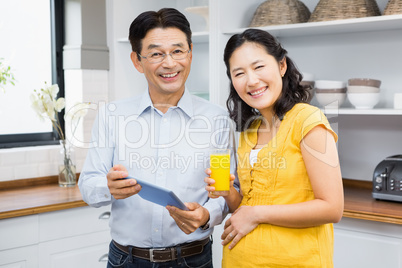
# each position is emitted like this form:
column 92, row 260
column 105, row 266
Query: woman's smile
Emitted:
column 258, row 92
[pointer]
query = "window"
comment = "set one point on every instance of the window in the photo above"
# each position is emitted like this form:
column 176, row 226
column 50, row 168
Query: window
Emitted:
column 32, row 34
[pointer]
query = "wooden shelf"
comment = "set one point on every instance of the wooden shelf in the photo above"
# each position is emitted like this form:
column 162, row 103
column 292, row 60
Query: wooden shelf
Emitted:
column 367, row 24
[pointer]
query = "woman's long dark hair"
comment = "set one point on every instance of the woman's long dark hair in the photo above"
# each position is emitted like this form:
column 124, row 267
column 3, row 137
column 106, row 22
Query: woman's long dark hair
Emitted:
column 292, row 91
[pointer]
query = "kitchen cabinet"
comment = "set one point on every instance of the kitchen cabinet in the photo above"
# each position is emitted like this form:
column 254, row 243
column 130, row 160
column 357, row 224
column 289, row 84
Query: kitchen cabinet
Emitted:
column 77, row 237
column 19, row 242
column 360, row 243
column 88, row 250
column 21, row 257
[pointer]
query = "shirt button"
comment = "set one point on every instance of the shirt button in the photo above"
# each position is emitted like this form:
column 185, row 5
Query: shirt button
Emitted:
column 164, row 120
column 106, row 195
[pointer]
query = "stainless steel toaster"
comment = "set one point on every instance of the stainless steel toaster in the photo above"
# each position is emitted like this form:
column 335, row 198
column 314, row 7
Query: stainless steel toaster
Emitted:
column 387, row 179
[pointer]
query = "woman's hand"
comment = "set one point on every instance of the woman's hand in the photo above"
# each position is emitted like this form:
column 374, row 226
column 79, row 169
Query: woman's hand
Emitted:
column 209, row 181
column 242, row 222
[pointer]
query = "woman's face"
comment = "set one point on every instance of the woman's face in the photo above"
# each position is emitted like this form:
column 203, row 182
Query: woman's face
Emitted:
column 256, row 76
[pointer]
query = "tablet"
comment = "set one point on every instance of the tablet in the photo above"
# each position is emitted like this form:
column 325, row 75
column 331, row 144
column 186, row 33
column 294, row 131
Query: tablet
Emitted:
column 158, row 195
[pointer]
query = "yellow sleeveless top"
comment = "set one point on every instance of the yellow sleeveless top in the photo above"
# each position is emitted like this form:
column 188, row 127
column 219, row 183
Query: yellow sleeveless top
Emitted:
column 280, row 177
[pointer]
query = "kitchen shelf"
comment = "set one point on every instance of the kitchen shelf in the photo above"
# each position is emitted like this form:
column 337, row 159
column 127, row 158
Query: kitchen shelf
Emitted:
column 200, row 37
column 201, row 94
column 123, row 40
column 367, row 24
column 352, row 111
column 197, row 37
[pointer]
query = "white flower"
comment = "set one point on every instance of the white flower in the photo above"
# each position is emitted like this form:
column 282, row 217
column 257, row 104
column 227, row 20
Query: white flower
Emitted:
column 53, row 90
column 37, row 106
column 46, row 105
column 59, row 104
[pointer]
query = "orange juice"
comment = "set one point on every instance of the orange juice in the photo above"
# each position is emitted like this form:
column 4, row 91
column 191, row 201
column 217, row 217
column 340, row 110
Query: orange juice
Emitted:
column 220, row 167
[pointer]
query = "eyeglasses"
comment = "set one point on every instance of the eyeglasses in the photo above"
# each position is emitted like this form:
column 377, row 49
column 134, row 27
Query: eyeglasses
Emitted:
column 156, row 57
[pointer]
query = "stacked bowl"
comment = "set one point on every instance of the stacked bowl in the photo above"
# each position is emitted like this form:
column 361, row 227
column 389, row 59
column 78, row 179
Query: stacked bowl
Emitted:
column 330, row 94
column 308, row 83
column 364, row 93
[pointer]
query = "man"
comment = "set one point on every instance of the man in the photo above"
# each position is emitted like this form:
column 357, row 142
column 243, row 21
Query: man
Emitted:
column 164, row 137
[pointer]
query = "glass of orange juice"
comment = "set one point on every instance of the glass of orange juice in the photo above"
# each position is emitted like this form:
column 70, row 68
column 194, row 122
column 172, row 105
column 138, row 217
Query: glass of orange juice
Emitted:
column 219, row 160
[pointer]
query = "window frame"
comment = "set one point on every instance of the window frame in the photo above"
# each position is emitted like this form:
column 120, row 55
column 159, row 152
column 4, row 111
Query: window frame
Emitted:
column 57, row 43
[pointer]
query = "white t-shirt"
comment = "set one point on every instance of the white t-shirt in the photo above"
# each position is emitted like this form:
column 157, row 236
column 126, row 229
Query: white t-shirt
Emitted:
column 253, row 156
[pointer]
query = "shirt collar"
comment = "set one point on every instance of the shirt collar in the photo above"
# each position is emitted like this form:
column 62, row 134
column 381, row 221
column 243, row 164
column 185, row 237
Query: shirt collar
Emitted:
column 145, row 103
column 185, row 103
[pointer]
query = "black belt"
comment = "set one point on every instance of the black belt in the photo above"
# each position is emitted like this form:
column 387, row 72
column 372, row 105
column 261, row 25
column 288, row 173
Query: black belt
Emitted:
column 165, row 254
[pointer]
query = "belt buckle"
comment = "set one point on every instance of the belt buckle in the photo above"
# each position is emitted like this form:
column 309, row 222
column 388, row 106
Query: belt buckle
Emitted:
column 151, row 255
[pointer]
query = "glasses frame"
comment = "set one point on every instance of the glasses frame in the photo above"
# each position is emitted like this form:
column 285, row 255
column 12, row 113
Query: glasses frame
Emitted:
column 164, row 56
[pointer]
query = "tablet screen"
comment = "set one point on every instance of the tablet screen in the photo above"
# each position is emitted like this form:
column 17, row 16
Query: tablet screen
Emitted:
column 158, row 195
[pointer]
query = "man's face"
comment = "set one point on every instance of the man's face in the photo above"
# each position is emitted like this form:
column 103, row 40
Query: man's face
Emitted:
column 166, row 78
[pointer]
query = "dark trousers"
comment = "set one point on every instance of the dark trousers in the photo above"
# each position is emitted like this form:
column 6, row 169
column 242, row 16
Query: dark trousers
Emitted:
column 120, row 259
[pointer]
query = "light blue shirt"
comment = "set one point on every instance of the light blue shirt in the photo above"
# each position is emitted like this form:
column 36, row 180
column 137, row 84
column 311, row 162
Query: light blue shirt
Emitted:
column 170, row 150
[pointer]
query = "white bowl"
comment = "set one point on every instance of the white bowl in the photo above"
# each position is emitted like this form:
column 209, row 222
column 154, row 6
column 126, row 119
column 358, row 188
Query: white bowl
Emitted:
column 202, row 11
column 364, row 100
column 329, row 84
column 363, row 89
column 364, row 82
column 330, row 100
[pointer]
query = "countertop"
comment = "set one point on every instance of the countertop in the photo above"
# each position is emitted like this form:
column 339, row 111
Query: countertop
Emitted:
column 33, row 196
column 360, row 204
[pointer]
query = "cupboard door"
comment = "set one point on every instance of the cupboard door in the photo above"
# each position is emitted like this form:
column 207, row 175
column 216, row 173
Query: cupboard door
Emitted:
column 79, row 252
column 22, row 257
column 356, row 249
column 73, row 222
column 18, row 232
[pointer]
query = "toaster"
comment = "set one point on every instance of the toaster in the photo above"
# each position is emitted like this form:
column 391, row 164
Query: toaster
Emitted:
column 387, row 179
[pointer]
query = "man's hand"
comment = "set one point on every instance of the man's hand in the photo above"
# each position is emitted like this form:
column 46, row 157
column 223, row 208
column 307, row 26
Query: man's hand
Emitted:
column 119, row 187
column 189, row 221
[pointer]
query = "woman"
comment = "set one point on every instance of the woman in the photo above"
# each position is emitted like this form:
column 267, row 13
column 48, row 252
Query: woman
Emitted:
column 291, row 185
